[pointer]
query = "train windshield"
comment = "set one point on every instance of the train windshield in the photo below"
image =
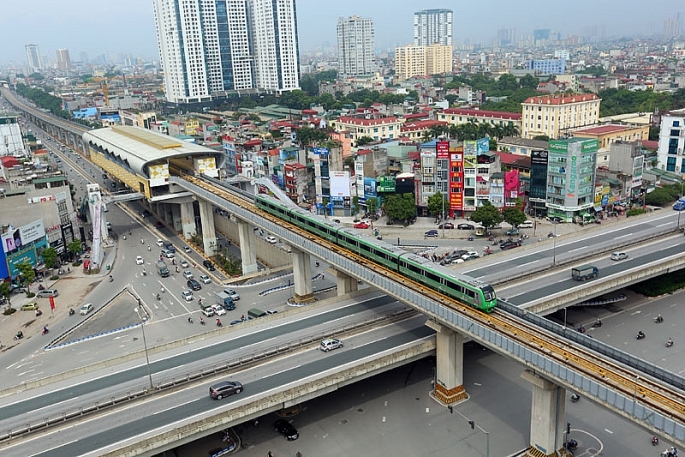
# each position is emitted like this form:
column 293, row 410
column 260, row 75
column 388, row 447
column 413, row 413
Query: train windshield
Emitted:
column 488, row 293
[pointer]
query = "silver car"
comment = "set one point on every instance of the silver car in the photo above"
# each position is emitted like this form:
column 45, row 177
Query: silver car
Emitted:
column 330, row 343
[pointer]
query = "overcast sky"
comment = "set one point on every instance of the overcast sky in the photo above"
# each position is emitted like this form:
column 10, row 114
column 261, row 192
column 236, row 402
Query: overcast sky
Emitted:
column 127, row 26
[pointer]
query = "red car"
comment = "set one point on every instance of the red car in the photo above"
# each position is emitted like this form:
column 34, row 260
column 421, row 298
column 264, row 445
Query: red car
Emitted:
column 362, row 225
column 159, row 225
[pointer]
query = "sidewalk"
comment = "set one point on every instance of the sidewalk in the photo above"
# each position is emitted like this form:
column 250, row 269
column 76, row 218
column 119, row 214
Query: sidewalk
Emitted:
column 73, row 286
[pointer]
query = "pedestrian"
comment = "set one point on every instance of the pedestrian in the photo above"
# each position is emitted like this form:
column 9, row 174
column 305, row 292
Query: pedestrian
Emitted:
column 242, row 318
column 269, row 454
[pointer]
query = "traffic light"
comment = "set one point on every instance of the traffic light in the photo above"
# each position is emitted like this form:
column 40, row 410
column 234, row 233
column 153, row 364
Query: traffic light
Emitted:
column 451, row 409
column 472, row 424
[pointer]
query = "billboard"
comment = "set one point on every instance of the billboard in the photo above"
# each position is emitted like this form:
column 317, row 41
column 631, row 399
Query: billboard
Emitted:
column 320, row 151
column 16, row 238
column 369, row 188
column 443, row 149
column 386, row 184
column 340, row 184
column 511, row 184
column 456, row 180
column 482, row 145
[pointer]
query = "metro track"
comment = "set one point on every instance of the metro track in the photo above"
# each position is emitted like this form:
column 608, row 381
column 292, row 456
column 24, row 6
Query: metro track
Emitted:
column 629, row 381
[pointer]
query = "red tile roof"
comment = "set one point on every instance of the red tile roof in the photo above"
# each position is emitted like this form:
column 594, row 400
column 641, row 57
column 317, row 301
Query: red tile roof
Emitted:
column 483, row 113
column 518, row 160
column 603, row 129
column 557, row 100
column 367, row 122
column 415, row 116
column 420, row 125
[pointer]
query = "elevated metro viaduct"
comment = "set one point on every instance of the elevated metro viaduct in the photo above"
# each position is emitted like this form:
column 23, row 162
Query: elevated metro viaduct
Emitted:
column 137, row 159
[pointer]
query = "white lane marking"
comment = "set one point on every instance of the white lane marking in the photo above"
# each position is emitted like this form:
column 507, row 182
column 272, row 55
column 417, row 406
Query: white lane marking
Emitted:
column 623, row 236
column 578, row 249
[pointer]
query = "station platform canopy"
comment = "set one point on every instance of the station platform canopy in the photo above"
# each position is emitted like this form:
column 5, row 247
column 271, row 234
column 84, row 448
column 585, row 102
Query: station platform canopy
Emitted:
column 139, row 150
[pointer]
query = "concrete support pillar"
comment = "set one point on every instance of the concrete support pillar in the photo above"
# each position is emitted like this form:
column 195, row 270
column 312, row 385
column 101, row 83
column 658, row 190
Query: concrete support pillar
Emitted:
column 188, row 226
column 175, row 217
column 302, row 276
column 547, row 421
column 208, row 233
column 345, row 282
column 449, row 380
column 248, row 253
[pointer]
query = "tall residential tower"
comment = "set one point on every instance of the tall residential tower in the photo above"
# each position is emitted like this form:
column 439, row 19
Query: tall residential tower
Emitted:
column 433, row 27
column 33, row 58
column 355, row 46
column 209, row 48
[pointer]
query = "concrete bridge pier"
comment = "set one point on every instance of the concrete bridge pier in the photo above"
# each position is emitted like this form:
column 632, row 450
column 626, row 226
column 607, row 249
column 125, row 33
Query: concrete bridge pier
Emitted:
column 547, row 417
column 302, row 276
column 208, row 233
column 188, row 227
column 449, row 380
column 344, row 282
column 248, row 254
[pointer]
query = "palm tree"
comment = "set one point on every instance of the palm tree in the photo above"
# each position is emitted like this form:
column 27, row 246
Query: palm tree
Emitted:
column 510, row 130
column 427, row 136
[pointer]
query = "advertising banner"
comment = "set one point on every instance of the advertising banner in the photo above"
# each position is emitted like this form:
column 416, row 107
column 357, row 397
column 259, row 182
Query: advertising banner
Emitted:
column 369, row 187
column 340, row 183
column 16, row 238
column 511, row 184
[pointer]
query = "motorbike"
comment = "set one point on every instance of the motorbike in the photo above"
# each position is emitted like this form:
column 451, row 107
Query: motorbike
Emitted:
column 149, row 248
column 640, row 335
column 669, row 453
column 218, row 323
column 669, row 343
column 124, row 237
column 19, row 336
column 41, row 287
column 658, row 319
column 202, row 321
column 159, row 297
column 190, row 320
column 575, row 398
column 71, row 311
column 111, row 279
column 572, row 445
column 655, row 441
column 144, row 273
column 550, row 235
column 597, row 324
column 470, row 237
column 491, row 238
column 46, row 330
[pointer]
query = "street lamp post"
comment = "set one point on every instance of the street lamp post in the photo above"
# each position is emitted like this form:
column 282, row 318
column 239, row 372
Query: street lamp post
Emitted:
column 554, row 244
column 147, row 356
column 473, row 426
column 680, row 208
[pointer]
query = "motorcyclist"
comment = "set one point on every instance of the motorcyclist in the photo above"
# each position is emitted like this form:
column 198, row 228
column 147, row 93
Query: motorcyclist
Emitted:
column 598, row 322
column 158, row 297
column 20, row 335
column 655, row 440
column 149, row 248
column 581, row 329
column 659, row 318
column 669, row 343
column 111, row 278
column 144, row 272
column 190, row 319
column 202, row 321
column 640, row 334
column 45, row 329
column 218, row 322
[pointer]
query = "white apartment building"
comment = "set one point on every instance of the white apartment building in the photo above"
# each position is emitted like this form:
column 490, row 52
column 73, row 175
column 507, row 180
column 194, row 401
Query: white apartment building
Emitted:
column 433, row 26
column 33, row 58
column 355, row 46
column 275, row 45
column 554, row 115
column 670, row 156
column 208, row 48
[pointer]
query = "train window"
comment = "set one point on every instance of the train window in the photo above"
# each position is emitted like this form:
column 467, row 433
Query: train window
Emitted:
column 431, row 276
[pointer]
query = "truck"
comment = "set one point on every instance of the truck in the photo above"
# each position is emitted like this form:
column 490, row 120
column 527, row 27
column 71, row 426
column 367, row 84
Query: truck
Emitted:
column 224, row 300
column 584, row 272
column 162, row 269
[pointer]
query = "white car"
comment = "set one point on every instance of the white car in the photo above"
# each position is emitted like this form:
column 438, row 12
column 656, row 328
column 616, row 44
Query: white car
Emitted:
column 232, row 293
column 159, row 242
column 205, row 279
column 187, row 295
column 271, row 239
column 186, row 248
column 218, row 310
column 330, row 343
column 139, row 260
column 85, row 309
column 184, row 263
column 187, row 274
column 526, row 224
column 470, row 255
column 619, row 255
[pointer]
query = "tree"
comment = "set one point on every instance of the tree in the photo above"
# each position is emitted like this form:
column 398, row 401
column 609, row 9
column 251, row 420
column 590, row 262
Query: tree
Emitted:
column 436, row 203
column 49, row 256
column 5, row 290
column 307, row 136
column 487, row 215
column 74, row 248
column 372, row 205
column 400, row 207
column 541, row 137
column 27, row 273
column 363, row 141
column 660, row 196
column 514, row 216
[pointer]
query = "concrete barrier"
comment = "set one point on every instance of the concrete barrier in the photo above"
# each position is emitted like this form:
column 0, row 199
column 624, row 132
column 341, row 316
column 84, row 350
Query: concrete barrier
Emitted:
column 165, row 438
column 601, row 285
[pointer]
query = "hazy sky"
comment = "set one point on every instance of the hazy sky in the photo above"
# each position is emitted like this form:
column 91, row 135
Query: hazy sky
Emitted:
column 127, row 26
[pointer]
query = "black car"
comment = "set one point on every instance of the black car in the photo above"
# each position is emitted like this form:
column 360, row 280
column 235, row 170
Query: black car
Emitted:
column 284, row 427
column 225, row 389
column 193, row 284
column 447, row 225
column 208, row 265
column 509, row 245
column 465, row 227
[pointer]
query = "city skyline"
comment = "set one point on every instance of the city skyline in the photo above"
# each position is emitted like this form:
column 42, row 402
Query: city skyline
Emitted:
column 128, row 26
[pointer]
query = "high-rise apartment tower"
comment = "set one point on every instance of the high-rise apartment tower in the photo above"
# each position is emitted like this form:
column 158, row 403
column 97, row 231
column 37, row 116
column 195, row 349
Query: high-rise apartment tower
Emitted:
column 33, row 58
column 211, row 47
column 433, row 27
column 355, row 46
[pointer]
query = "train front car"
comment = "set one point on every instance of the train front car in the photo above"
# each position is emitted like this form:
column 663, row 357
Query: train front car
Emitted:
column 465, row 289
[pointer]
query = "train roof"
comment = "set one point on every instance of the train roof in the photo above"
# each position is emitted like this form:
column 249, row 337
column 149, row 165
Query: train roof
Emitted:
column 444, row 271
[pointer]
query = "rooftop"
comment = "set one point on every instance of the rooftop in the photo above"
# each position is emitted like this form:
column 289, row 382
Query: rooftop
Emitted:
column 482, row 113
column 603, row 129
column 559, row 100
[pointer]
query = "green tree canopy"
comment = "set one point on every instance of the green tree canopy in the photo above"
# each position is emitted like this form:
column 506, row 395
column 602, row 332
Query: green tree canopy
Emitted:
column 372, row 205
column 514, row 216
column 487, row 215
column 400, row 207
column 27, row 273
column 363, row 141
column 435, row 203
column 49, row 256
